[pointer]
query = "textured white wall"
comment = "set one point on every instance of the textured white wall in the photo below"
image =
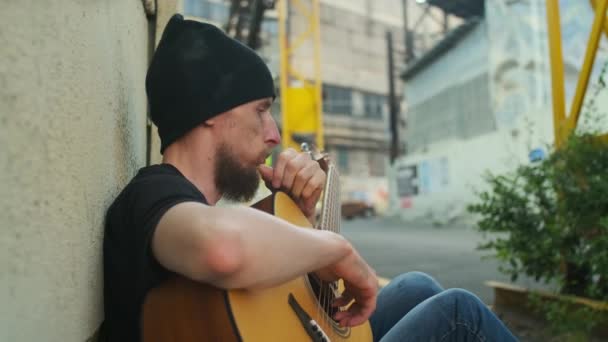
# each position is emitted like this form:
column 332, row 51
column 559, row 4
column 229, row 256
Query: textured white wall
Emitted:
column 454, row 167
column 467, row 160
column 468, row 59
column 72, row 132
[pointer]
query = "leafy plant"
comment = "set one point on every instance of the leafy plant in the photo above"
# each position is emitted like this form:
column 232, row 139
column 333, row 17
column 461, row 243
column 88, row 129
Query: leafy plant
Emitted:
column 570, row 321
column 552, row 222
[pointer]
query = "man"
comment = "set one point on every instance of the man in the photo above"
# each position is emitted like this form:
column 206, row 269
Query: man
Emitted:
column 210, row 97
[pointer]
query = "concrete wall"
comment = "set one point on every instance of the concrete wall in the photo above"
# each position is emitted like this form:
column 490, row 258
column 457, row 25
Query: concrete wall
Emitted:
column 72, row 133
column 446, row 168
column 450, row 173
column 469, row 58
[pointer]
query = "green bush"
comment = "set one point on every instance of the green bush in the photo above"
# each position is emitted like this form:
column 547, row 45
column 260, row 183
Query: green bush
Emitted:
column 551, row 218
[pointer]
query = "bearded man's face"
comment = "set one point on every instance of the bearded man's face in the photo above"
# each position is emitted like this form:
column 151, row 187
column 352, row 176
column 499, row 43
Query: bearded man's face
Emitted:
column 235, row 180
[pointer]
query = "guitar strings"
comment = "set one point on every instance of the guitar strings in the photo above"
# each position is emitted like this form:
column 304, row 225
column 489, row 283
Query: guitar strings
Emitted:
column 331, row 226
column 334, row 223
column 328, row 226
column 337, row 216
column 324, row 226
column 330, row 220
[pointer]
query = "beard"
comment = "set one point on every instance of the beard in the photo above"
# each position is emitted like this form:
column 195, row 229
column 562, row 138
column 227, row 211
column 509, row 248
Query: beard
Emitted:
column 235, row 181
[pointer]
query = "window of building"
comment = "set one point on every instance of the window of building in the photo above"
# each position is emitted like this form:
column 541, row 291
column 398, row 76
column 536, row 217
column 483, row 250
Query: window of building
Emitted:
column 377, row 164
column 195, row 8
column 337, row 100
column 270, row 26
column 215, row 11
column 459, row 111
column 342, row 156
column 374, row 105
column 219, row 12
column 358, row 105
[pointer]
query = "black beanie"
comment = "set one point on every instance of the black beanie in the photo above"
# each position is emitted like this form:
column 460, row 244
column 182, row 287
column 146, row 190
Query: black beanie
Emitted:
column 198, row 72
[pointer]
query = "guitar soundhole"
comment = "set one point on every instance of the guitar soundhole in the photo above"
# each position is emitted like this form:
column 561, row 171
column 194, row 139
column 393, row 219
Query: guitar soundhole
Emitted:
column 325, row 292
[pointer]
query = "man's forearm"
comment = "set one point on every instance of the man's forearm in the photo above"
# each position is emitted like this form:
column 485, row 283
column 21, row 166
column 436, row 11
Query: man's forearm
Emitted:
column 273, row 251
column 241, row 247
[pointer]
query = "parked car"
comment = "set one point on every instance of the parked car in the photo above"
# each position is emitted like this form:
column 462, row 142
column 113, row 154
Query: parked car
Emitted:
column 357, row 208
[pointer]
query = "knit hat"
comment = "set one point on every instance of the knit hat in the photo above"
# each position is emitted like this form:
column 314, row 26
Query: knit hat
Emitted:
column 198, row 72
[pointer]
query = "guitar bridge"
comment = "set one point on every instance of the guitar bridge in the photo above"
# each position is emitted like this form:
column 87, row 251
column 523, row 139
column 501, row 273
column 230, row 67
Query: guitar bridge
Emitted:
column 313, row 329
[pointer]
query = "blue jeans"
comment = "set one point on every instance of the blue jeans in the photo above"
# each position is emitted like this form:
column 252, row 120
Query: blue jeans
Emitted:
column 414, row 307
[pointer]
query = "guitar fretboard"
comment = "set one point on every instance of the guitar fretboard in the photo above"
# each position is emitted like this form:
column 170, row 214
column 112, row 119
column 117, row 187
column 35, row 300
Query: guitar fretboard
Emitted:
column 330, row 210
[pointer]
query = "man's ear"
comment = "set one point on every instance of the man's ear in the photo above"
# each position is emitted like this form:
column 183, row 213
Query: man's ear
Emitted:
column 209, row 122
column 215, row 119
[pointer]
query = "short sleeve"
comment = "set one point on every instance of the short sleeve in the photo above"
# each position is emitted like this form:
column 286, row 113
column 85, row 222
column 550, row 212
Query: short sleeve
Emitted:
column 151, row 199
column 130, row 269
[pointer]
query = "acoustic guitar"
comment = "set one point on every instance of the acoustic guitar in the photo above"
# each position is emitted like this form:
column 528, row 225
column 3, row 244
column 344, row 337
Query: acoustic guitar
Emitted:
column 299, row 310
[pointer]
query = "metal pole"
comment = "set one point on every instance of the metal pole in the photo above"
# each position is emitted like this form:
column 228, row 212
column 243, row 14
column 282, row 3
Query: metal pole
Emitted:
column 594, row 5
column 409, row 46
column 583, row 81
column 393, row 110
column 557, row 70
column 315, row 23
column 283, row 74
column 256, row 17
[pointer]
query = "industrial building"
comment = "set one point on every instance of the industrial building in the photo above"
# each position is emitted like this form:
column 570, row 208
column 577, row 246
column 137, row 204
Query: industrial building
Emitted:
column 481, row 100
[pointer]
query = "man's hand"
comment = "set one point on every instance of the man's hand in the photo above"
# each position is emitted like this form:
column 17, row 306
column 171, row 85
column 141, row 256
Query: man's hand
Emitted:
column 299, row 176
column 360, row 287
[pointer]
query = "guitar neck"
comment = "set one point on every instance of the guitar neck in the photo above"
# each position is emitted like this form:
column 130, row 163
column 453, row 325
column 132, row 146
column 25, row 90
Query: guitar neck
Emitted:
column 330, row 210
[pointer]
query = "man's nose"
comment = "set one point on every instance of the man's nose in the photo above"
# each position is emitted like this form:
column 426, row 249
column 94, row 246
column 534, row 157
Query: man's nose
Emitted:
column 272, row 136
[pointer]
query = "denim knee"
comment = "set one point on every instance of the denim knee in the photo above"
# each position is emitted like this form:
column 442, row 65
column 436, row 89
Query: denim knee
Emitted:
column 460, row 299
column 416, row 279
column 461, row 295
column 416, row 276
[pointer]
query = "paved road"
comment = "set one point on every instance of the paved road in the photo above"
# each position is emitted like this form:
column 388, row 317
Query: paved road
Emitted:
column 447, row 253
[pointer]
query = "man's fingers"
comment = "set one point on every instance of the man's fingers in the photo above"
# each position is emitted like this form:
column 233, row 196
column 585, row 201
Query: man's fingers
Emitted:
column 315, row 183
column 341, row 315
column 302, row 179
column 355, row 315
column 364, row 292
column 351, row 317
column 343, row 300
column 266, row 172
column 292, row 168
column 279, row 168
column 356, row 320
column 310, row 203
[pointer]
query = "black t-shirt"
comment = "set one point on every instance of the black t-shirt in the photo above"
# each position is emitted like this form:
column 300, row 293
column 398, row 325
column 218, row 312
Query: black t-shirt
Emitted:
column 130, row 269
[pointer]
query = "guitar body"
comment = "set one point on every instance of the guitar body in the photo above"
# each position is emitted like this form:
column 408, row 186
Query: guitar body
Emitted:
column 183, row 310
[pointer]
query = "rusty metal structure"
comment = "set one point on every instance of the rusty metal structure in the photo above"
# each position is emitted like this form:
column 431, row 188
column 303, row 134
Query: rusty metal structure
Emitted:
column 245, row 20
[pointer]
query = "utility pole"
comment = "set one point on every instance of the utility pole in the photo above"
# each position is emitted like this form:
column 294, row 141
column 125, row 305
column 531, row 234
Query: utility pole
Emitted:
column 245, row 20
column 255, row 23
column 408, row 36
column 393, row 109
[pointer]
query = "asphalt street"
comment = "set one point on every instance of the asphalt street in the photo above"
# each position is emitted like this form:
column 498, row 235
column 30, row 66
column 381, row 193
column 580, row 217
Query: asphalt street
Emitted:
column 447, row 253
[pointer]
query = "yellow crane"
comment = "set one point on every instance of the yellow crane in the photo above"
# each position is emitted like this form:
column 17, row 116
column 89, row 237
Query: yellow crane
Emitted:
column 300, row 94
column 564, row 125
